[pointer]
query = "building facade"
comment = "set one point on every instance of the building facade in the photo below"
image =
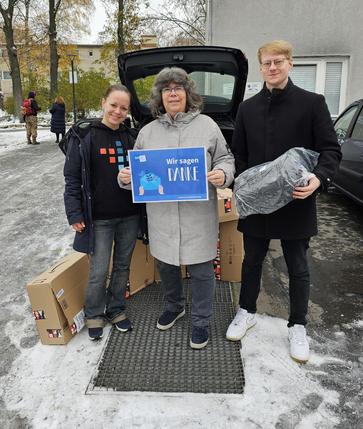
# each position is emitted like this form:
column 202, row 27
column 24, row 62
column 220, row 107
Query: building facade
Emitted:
column 326, row 36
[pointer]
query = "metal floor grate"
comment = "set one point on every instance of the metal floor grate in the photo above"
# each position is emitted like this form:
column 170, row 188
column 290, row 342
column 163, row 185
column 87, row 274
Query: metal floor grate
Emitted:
column 149, row 360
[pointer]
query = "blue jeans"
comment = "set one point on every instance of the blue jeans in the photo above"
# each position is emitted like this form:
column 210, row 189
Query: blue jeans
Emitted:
column 299, row 278
column 109, row 304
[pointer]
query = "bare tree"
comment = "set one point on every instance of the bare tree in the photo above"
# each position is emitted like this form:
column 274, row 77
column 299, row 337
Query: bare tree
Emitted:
column 179, row 22
column 53, row 54
column 59, row 9
column 121, row 32
column 7, row 14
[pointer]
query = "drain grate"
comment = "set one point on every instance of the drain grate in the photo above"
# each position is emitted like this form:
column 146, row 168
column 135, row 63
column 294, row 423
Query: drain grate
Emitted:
column 149, row 360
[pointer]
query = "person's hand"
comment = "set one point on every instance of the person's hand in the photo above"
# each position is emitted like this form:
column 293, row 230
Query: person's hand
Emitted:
column 302, row 192
column 79, row 226
column 124, row 175
column 216, row 177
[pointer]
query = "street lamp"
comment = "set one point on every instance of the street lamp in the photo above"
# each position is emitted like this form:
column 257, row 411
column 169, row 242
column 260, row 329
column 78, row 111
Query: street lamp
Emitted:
column 72, row 57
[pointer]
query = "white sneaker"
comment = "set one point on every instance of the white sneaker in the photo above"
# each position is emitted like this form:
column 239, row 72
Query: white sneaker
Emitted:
column 240, row 324
column 299, row 346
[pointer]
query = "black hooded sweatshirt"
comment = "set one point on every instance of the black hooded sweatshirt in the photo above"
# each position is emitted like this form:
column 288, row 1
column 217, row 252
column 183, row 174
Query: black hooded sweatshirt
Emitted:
column 109, row 154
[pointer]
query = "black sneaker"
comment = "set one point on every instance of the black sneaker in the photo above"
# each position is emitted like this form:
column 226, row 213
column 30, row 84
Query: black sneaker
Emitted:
column 168, row 318
column 200, row 337
column 123, row 325
column 95, row 334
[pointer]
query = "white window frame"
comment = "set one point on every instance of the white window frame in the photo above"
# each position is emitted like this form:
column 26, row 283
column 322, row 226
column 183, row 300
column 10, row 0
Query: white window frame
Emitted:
column 320, row 63
column 3, row 75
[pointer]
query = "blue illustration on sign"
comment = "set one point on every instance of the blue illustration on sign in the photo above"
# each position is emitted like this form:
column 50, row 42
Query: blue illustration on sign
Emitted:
column 178, row 174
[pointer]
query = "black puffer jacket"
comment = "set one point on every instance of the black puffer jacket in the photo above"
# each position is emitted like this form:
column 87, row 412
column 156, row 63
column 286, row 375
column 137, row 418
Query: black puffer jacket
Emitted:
column 58, row 122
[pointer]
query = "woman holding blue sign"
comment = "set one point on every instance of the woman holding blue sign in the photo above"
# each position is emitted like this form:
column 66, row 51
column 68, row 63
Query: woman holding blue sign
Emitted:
column 184, row 233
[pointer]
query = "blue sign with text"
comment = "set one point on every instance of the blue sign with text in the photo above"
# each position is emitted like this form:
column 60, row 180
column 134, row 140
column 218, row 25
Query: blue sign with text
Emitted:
column 159, row 175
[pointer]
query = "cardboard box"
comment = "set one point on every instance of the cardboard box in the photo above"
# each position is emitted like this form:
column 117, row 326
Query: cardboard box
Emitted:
column 57, row 299
column 231, row 251
column 227, row 210
column 142, row 271
column 228, row 262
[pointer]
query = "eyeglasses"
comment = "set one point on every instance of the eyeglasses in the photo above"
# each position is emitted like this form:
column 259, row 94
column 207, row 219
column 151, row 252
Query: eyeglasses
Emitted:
column 278, row 63
column 177, row 89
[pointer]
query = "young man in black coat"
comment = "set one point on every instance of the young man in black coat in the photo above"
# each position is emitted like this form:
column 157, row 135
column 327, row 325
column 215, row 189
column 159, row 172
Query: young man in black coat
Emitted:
column 276, row 119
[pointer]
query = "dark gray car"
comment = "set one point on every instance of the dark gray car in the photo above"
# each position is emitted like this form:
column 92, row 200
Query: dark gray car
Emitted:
column 349, row 129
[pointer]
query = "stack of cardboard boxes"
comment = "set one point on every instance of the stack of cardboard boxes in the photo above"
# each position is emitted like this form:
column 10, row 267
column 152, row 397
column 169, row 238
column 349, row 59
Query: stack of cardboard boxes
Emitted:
column 57, row 295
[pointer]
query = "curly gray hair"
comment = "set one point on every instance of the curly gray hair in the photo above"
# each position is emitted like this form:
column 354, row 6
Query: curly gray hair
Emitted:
column 179, row 76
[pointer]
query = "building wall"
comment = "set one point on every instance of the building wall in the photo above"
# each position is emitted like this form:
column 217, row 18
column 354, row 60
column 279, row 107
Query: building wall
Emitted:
column 315, row 28
column 88, row 55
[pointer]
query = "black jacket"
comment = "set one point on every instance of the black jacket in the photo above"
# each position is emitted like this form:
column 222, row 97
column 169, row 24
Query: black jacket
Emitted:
column 78, row 190
column 58, row 122
column 34, row 106
column 269, row 124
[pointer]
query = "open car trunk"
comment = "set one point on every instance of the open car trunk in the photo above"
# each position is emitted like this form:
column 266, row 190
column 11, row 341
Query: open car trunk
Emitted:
column 220, row 75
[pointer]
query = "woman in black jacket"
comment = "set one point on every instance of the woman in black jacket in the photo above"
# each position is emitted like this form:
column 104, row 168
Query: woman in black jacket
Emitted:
column 101, row 213
column 58, row 122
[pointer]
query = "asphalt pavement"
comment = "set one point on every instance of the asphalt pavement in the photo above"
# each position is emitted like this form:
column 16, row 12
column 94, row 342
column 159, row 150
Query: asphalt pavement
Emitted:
column 335, row 322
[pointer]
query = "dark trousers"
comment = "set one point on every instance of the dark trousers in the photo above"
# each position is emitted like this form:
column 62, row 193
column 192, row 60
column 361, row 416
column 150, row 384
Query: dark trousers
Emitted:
column 299, row 279
column 57, row 136
column 202, row 285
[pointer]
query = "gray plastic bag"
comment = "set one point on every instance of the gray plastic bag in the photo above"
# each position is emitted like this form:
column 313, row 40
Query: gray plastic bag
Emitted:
column 267, row 187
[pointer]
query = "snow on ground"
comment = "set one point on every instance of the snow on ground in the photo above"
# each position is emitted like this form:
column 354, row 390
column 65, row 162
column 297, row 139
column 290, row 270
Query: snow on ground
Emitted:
column 47, row 386
column 15, row 139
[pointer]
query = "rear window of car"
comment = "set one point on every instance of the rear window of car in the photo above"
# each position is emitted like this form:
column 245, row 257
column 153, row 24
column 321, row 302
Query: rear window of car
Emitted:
column 216, row 89
column 357, row 132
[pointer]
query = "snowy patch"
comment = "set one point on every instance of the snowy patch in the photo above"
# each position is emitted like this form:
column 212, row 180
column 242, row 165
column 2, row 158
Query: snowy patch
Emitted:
column 16, row 139
column 47, row 386
column 355, row 324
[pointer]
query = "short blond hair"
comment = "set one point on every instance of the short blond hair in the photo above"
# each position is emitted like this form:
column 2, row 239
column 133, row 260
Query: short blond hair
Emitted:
column 276, row 47
column 59, row 99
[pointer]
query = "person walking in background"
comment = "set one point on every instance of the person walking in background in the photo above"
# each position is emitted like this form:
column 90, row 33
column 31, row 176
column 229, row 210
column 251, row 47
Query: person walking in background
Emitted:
column 30, row 111
column 101, row 213
column 280, row 117
column 185, row 233
column 58, row 121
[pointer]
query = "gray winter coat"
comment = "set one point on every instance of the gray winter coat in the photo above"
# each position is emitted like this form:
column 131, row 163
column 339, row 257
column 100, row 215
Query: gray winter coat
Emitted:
column 183, row 233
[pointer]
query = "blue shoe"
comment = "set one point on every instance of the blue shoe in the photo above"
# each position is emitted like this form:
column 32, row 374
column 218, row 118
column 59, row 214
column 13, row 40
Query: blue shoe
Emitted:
column 200, row 337
column 123, row 325
column 95, row 334
column 168, row 318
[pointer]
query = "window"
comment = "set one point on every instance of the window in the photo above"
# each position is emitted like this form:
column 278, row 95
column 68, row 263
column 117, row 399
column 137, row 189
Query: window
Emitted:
column 333, row 81
column 357, row 133
column 90, row 53
column 6, row 75
column 327, row 76
column 216, row 89
column 342, row 125
column 304, row 76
